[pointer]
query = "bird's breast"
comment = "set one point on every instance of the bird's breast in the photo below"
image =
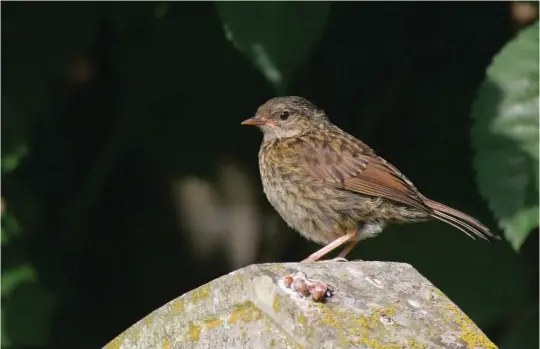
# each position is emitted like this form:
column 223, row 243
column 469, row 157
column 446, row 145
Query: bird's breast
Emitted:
column 317, row 210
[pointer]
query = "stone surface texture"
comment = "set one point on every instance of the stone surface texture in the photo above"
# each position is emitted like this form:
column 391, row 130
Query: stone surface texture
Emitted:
column 374, row 305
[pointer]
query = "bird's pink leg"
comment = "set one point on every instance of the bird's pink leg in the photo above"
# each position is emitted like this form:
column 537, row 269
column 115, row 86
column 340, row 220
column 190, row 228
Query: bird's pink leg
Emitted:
column 370, row 229
column 331, row 246
column 347, row 249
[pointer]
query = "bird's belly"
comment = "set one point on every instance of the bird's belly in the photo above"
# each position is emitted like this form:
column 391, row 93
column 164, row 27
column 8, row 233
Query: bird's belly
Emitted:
column 319, row 213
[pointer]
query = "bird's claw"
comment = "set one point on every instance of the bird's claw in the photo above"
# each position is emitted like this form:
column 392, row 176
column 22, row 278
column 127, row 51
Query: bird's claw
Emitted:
column 337, row 259
column 305, row 287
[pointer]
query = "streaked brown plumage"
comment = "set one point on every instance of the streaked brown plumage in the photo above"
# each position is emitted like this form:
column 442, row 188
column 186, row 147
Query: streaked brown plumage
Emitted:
column 333, row 188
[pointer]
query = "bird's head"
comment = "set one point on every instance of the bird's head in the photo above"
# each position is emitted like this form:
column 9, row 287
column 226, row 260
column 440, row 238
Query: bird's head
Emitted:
column 286, row 117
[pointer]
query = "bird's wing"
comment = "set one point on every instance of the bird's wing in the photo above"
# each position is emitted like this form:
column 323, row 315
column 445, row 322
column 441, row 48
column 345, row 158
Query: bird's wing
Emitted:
column 349, row 164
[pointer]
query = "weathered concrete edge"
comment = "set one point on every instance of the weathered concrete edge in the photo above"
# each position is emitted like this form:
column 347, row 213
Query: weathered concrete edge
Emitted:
column 155, row 329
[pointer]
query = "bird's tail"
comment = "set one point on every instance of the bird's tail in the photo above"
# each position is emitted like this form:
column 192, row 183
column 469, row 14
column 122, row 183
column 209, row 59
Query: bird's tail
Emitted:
column 460, row 220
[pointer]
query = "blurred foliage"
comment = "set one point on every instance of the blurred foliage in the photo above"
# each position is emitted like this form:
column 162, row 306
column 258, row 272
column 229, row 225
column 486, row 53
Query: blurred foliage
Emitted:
column 505, row 136
column 276, row 36
column 107, row 106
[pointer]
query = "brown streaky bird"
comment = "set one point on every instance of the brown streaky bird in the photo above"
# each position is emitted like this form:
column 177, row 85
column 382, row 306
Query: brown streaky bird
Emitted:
column 333, row 188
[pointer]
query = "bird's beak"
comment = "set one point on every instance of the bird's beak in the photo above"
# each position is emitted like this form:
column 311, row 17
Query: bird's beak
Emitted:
column 254, row 121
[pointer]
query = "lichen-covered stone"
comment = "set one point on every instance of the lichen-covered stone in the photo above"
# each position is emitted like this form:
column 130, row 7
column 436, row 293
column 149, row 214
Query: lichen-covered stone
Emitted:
column 374, row 305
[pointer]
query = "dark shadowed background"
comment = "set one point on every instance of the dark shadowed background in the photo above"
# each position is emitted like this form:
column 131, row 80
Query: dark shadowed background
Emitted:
column 127, row 179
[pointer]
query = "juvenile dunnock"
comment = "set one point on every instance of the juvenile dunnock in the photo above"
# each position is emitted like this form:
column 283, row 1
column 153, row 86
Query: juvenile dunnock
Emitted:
column 333, row 188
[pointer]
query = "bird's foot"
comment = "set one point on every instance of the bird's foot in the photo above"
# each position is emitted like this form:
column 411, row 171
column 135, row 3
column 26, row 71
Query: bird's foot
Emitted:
column 341, row 259
column 337, row 259
column 305, row 287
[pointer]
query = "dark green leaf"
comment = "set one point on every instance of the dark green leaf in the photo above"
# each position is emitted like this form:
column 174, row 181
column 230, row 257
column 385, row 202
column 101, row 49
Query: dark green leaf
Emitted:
column 14, row 277
column 27, row 314
column 10, row 228
column 12, row 160
column 276, row 36
column 505, row 136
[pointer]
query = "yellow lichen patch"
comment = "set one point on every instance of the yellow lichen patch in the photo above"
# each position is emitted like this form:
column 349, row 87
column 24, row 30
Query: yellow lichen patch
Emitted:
column 213, row 323
column 166, row 344
column 246, row 312
column 438, row 292
column 148, row 319
column 342, row 341
column 374, row 320
column 329, row 319
column 276, row 268
column 178, row 306
column 372, row 343
column 276, row 305
column 357, row 329
column 267, row 327
column 386, row 311
column 412, row 344
column 194, row 331
column 115, row 343
column 201, row 293
column 469, row 332
column 477, row 340
column 133, row 333
column 238, row 277
column 353, row 329
column 302, row 320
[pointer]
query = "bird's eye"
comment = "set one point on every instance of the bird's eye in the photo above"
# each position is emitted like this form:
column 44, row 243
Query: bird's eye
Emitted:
column 284, row 115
